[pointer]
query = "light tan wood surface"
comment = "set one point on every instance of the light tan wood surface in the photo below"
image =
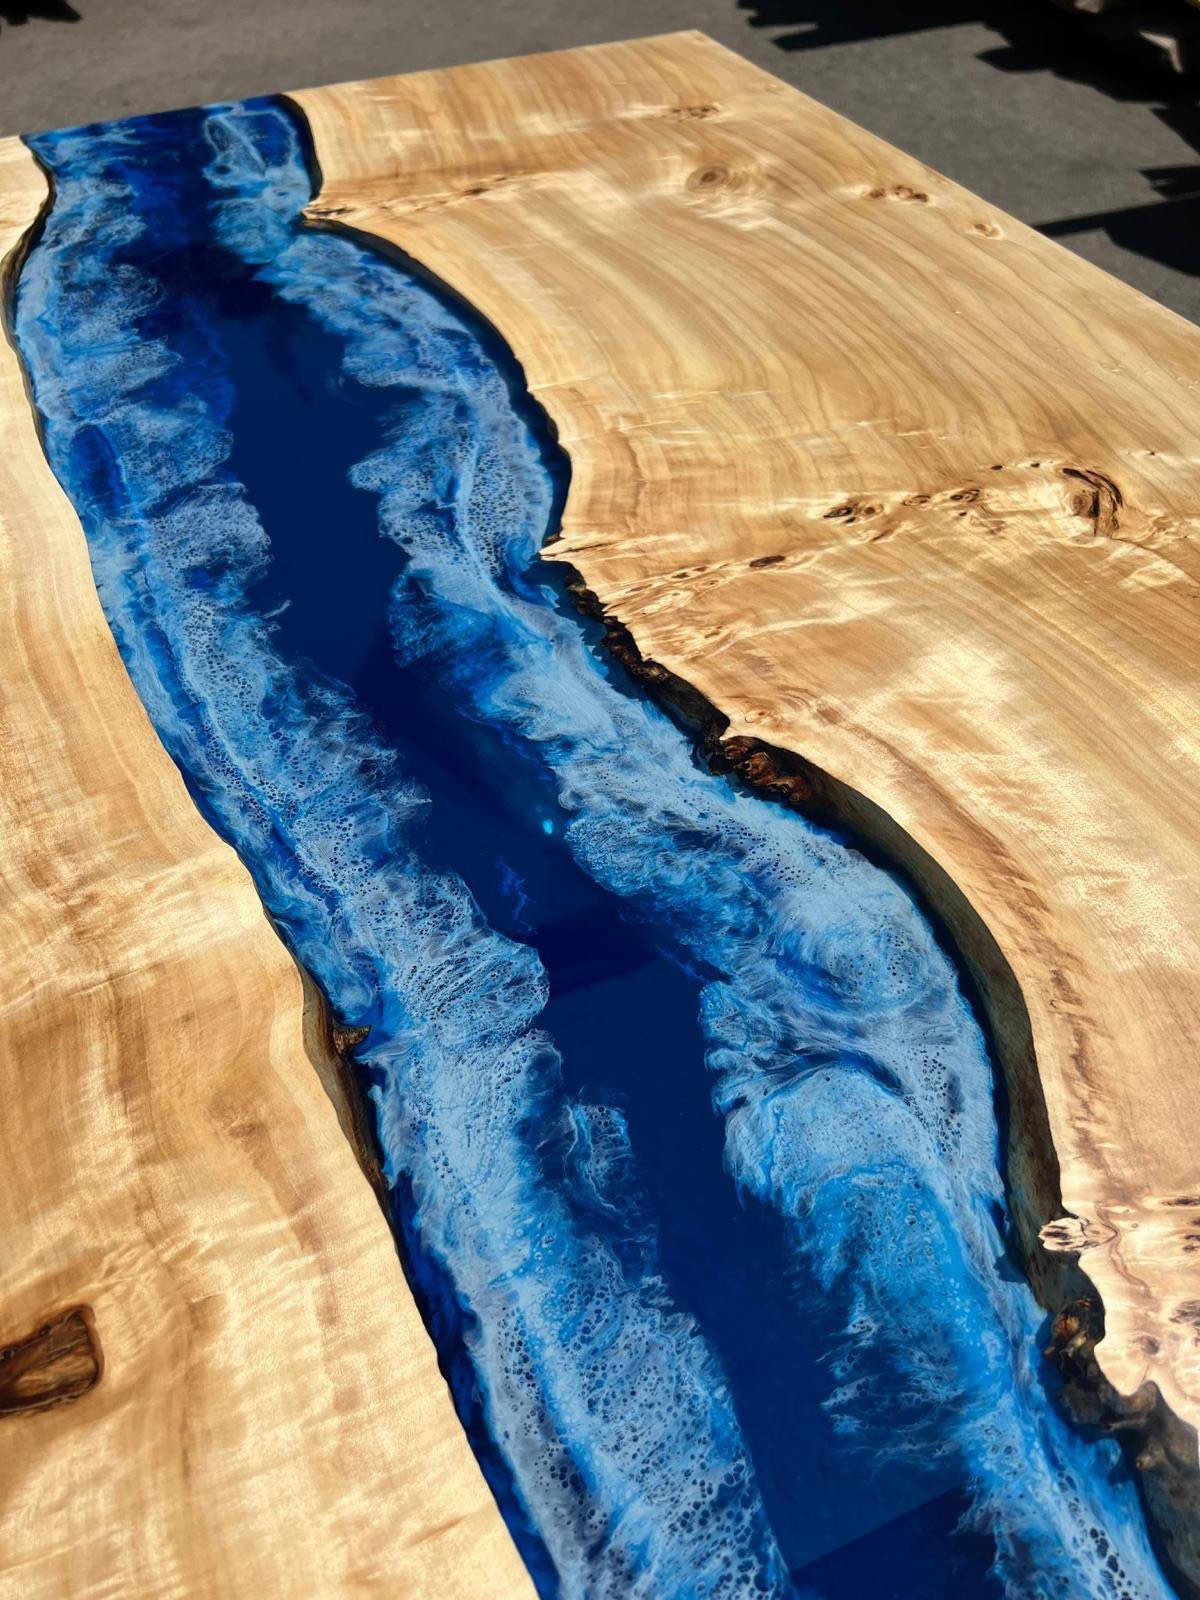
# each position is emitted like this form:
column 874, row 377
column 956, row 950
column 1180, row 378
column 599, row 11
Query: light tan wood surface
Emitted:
column 260, row 1413
column 898, row 486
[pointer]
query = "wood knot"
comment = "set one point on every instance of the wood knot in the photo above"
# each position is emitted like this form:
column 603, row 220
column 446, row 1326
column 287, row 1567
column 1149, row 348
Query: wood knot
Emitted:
column 899, row 191
column 849, row 512
column 57, row 1363
column 1099, row 500
column 485, row 185
column 1072, row 1235
column 694, row 113
column 707, row 178
column 1187, row 1314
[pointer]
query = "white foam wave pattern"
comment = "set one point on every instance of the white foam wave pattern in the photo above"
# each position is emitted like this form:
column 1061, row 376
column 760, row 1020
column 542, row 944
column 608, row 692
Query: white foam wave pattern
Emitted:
column 854, row 1082
column 608, row 1407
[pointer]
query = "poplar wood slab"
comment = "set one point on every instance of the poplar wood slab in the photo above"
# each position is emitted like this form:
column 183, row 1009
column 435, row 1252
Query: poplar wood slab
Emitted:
column 901, row 487
column 259, row 1412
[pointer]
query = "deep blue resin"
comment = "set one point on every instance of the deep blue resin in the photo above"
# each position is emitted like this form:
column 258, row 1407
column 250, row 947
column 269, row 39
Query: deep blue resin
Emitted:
column 690, row 1131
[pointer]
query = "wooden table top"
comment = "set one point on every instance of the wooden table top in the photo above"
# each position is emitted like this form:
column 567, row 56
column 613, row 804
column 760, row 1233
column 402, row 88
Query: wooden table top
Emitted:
column 904, row 491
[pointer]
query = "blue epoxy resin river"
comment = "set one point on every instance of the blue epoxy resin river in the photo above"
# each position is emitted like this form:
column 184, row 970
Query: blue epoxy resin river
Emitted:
column 689, row 1131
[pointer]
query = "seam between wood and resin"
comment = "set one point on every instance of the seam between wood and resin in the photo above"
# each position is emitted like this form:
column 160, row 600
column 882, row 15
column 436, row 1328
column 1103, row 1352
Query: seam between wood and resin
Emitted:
column 1160, row 1446
column 327, row 1043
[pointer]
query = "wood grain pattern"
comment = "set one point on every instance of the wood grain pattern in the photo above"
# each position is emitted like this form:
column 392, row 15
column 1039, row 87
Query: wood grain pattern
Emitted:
column 898, row 486
column 269, row 1419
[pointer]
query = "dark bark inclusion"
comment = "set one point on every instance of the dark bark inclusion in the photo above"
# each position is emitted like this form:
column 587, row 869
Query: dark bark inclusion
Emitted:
column 55, row 1364
column 212, row 377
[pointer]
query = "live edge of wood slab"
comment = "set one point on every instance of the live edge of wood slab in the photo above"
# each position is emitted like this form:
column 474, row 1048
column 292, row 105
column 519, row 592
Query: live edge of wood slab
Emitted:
column 907, row 491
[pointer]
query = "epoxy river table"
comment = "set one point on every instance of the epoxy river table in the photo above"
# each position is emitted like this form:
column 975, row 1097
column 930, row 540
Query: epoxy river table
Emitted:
column 599, row 939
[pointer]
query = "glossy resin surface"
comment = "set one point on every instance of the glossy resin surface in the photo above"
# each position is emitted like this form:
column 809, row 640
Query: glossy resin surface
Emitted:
column 690, row 1132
